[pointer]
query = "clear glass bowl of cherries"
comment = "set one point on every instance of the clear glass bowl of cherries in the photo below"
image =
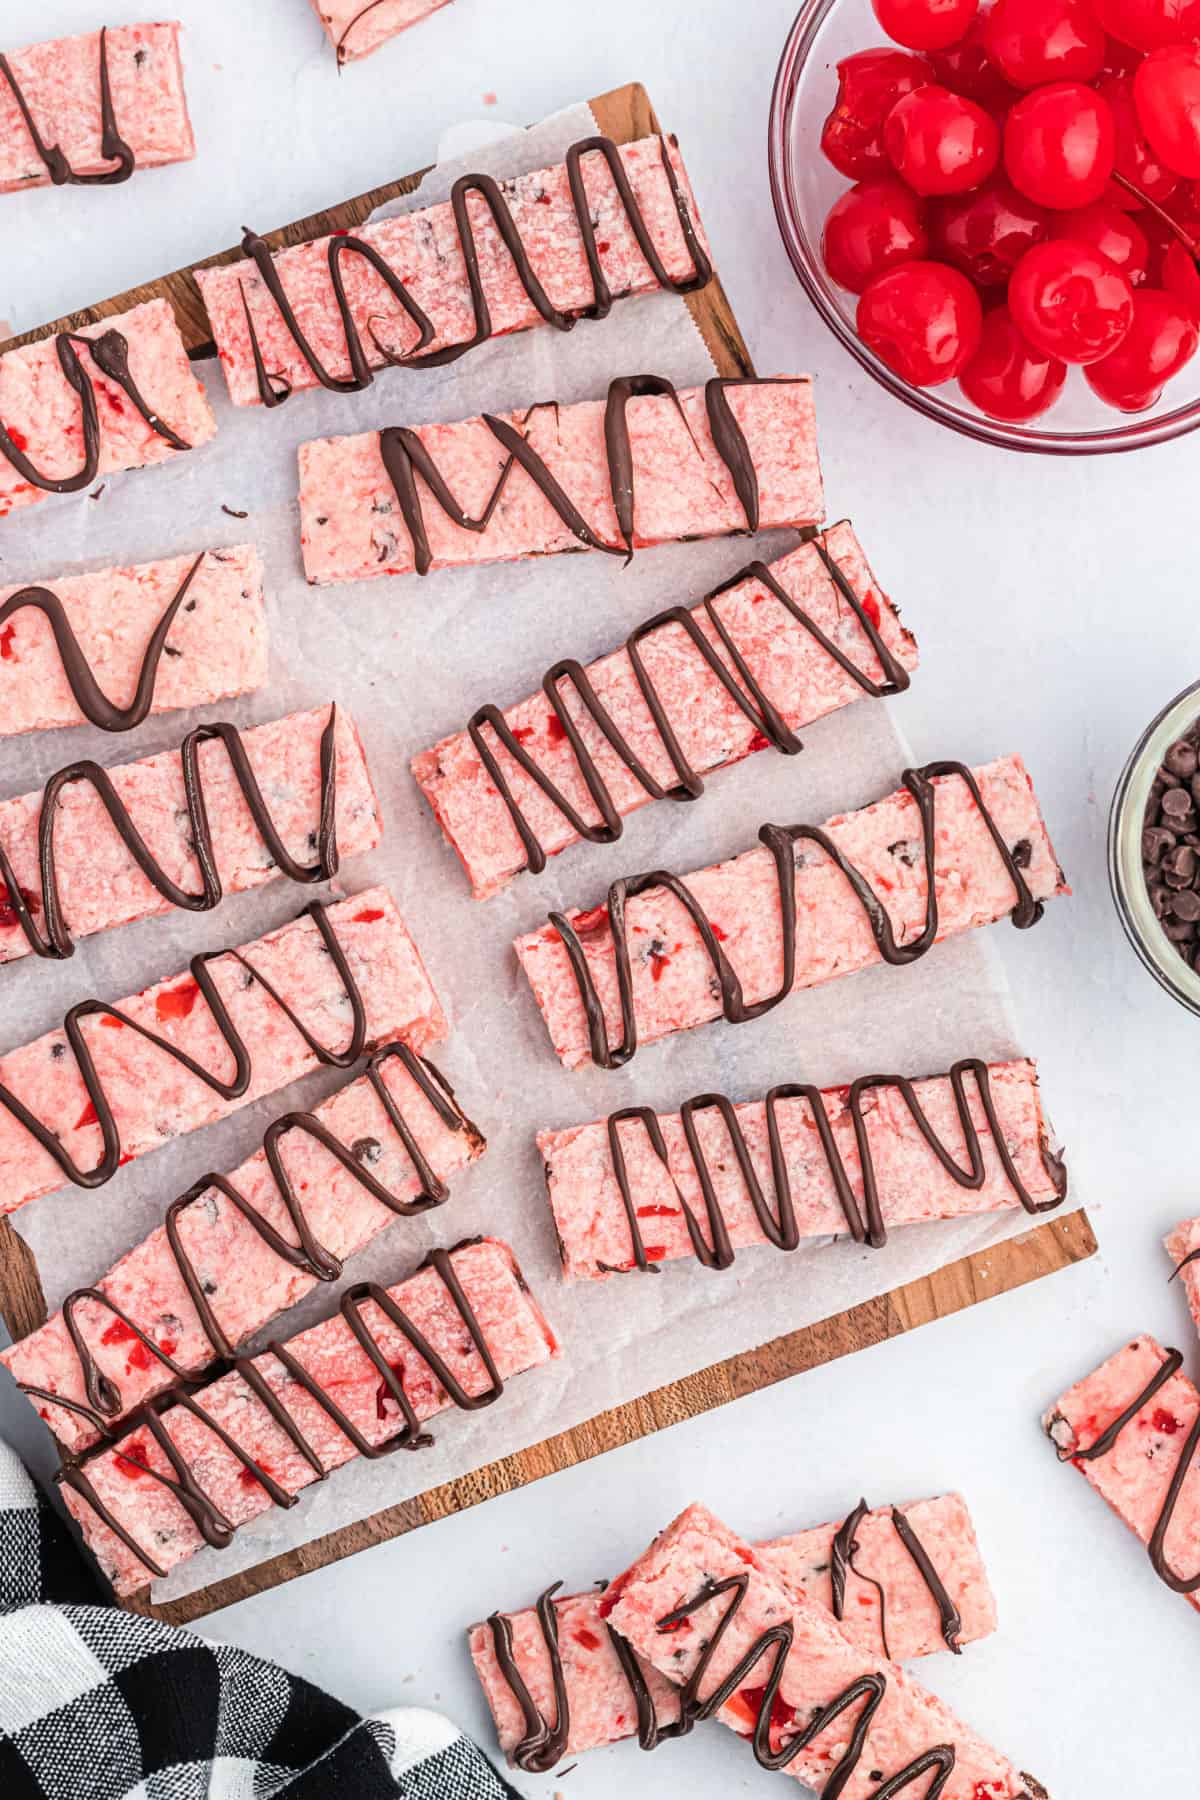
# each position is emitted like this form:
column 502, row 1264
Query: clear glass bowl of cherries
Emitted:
column 996, row 207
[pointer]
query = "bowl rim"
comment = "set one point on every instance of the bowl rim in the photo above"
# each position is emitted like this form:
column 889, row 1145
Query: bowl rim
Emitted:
column 1125, row 875
column 1028, row 439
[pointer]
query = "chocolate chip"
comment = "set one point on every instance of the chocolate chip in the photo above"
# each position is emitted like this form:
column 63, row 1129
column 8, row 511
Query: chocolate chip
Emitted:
column 1022, row 853
column 1186, row 905
column 1179, row 867
column 1156, row 841
column 1180, row 931
column 1181, row 759
column 1177, row 804
column 367, row 1150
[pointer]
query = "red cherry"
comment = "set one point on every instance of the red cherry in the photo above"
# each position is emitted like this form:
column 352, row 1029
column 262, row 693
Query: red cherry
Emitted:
column 1070, row 302
column 1007, row 378
column 923, row 320
column 1135, row 159
column 986, row 234
column 1181, row 277
column 1149, row 24
column 926, row 24
column 874, row 226
column 1107, row 229
column 1033, row 41
column 869, row 85
column 1164, row 336
column 940, row 143
column 967, row 69
column 1166, row 92
column 1060, row 145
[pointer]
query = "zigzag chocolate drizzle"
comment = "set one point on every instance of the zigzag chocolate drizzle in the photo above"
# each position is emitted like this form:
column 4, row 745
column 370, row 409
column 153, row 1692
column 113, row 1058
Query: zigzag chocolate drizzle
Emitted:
column 112, row 145
column 938, row 1762
column 110, row 353
column 1107, row 1441
column 274, row 389
column 99, row 1103
column 779, row 1222
column 58, row 944
column 750, row 698
column 95, row 706
column 545, row 1741
column 105, row 1403
column 781, row 841
column 405, row 456
column 212, row 1524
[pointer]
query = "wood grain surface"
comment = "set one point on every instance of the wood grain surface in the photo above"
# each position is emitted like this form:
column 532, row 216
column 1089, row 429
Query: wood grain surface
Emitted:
column 624, row 115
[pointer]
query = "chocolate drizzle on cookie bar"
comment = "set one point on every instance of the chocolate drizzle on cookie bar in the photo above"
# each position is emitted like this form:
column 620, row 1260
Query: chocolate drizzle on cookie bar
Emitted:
column 1103, row 1446
column 99, row 1109
column 781, row 841
column 738, row 681
column 866, row 1222
column 184, row 1484
column 95, row 705
column 274, row 389
column 306, row 1252
column 113, row 147
column 110, row 353
column 57, row 944
column 545, row 1741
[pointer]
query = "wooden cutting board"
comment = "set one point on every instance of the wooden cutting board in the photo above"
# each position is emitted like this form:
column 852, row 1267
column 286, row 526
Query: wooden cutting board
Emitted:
column 624, row 115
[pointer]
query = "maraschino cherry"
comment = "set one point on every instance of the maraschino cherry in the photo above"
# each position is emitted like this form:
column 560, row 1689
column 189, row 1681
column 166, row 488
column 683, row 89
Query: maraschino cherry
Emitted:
column 1107, row 229
column 1166, row 92
column 1070, row 301
column 1163, row 338
column 874, row 226
column 926, row 24
column 1060, row 145
column 985, row 234
column 869, row 85
column 940, row 143
column 1149, row 24
column 923, row 320
column 1007, row 378
column 1035, row 41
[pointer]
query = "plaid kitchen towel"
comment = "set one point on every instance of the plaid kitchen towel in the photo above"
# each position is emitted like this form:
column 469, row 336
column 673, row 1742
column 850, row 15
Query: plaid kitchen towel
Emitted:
column 98, row 1704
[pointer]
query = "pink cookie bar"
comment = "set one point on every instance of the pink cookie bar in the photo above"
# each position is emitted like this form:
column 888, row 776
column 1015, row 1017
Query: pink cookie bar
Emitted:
column 992, row 856
column 701, row 463
column 1183, row 1247
column 342, row 978
column 215, row 645
column 262, row 1434
column 149, row 405
column 811, row 634
column 846, row 1715
column 862, row 1570
column 1133, row 1429
column 357, row 27
column 61, row 85
column 307, row 782
column 622, row 1189
column 205, row 1281
column 310, row 337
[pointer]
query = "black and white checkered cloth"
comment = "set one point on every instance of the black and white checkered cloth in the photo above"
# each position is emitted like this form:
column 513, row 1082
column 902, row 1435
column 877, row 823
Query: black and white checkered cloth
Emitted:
column 98, row 1704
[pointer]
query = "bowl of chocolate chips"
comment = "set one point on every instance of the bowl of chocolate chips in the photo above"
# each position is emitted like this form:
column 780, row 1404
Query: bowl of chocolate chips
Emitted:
column 1154, row 848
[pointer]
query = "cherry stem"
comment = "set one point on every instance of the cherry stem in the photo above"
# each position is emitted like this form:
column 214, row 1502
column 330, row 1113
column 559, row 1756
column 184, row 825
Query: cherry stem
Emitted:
column 1160, row 212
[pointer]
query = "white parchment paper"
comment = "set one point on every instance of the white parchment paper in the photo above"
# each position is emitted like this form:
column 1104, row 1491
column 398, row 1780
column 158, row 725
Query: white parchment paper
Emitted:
column 411, row 660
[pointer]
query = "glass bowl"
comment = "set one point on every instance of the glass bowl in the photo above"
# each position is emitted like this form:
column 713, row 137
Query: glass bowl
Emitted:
column 1125, row 874
column 804, row 187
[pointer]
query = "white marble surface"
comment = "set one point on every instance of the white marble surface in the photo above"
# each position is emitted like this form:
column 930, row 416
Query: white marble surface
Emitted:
column 1056, row 605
